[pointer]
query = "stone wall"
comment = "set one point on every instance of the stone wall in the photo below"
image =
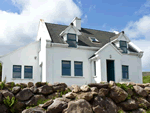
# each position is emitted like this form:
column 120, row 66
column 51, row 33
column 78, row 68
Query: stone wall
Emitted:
column 58, row 98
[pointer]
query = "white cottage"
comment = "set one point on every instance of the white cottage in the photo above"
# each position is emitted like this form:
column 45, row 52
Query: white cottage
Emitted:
column 74, row 55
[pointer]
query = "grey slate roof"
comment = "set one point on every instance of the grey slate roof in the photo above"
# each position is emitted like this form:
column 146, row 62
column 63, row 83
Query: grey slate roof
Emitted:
column 102, row 36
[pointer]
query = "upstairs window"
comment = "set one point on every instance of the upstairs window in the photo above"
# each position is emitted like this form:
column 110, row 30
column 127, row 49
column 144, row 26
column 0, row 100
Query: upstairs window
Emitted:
column 16, row 71
column 78, row 68
column 71, row 40
column 28, row 70
column 125, row 73
column 93, row 39
column 66, row 68
column 123, row 46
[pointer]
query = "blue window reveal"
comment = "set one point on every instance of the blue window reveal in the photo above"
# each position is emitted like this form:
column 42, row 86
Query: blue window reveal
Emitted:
column 125, row 73
column 28, row 70
column 123, row 46
column 95, row 68
column 66, row 68
column 16, row 71
column 71, row 40
column 78, row 68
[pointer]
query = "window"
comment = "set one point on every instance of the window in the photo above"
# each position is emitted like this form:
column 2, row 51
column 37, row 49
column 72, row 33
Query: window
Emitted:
column 95, row 68
column 125, row 73
column 66, row 68
column 93, row 39
column 71, row 40
column 123, row 46
column 78, row 68
column 28, row 70
column 16, row 71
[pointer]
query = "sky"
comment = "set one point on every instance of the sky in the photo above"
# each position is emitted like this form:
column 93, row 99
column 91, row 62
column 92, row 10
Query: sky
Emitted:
column 19, row 20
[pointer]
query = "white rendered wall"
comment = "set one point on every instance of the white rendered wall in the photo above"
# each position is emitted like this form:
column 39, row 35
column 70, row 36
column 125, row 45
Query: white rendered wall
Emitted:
column 55, row 55
column 25, row 57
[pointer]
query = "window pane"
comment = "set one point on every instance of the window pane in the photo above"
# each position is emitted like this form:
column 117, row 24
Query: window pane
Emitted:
column 66, row 72
column 71, row 37
column 66, row 68
column 124, row 49
column 78, row 68
column 66, row 64
column 78, row 64
column 16, row 71
column 125, row 72
column 123, row 43
column 78, row 72
column 72, row 43
column 28, row 72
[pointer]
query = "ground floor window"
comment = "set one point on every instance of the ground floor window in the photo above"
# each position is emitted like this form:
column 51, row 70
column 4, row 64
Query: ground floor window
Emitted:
column 16, row 71
column 28, row 71
column 78, row 68
column 125, row 73
column 66, row 68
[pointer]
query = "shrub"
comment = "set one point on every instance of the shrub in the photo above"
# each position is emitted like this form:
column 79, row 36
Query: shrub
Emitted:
column 124, row 86
column 2, row 85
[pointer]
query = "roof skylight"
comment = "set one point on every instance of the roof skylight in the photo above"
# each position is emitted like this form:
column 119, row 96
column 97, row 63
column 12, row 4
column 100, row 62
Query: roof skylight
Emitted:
column 93, row 39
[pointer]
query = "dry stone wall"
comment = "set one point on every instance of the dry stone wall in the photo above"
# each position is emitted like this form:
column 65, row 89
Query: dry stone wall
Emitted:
column 59, row 98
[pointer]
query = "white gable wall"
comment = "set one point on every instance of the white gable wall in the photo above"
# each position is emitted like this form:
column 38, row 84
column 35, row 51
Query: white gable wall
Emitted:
column 25, row 57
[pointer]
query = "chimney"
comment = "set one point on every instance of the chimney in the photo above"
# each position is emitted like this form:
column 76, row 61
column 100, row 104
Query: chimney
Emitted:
column 77, row 23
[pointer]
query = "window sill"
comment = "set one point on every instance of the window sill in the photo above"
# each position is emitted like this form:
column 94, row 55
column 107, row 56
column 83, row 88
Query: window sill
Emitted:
column 72, row 76
column 125, row 79
column 22, row 79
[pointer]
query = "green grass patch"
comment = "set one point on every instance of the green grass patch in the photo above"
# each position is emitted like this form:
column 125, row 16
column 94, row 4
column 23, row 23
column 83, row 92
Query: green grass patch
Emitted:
column 146, row 79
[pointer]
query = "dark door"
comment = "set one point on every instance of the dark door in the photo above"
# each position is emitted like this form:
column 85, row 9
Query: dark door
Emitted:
column 110, row 70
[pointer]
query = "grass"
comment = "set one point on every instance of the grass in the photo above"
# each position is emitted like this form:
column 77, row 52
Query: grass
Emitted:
column 146, row 79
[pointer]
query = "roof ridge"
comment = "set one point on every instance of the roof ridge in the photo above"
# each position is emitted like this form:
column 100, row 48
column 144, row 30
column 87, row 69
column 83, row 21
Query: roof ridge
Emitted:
column 82, row 28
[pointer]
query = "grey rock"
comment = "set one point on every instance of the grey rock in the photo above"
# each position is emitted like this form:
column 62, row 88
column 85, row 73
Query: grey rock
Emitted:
column 140, row 91
column 3, row 109
column 30, row 84
column 6, row 93
column 45, row 90
column 34, row 89
column 76, row 88
column 98, row 85
column 16, row 89
column 34, row 110
column 140, row 110
column 85, row 88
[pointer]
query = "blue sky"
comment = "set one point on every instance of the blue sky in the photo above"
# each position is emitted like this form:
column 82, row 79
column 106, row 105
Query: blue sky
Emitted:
column 19, row 20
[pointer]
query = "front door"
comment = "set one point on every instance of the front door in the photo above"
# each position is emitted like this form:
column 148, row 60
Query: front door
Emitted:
column 110, row 70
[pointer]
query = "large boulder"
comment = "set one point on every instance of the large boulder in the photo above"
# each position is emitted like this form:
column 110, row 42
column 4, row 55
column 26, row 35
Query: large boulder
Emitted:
column 85, row 88
column 140, row 110
column 18, row 106
column 53, row 95
column 76, row 88
column 56, row 107
column 140, row 91
column 86, row 95
column 35, row 99
column 70, row 95
column 34, row 89
column 80, row 106
column 94, row 89
column 103, row 92
column 6, row 93
column 147, row 89
column 143, row 103
column 48, row 103
column 1, row 97
column 129, row 105
column 16, row 89
column 98, row 85
column 34, row 110
column 24, row 95
column 45, row 90
column 30, row 84
column 3, row 109
column 103, row 105
column 59, row 87
column 118, row 94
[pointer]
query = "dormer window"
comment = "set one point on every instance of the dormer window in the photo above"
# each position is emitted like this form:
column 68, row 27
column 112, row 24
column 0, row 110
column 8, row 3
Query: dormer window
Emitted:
column 123, row 46
column 71, row 40
column 93, row 39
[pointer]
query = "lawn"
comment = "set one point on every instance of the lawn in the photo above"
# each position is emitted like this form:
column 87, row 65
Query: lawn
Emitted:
column 146, row 79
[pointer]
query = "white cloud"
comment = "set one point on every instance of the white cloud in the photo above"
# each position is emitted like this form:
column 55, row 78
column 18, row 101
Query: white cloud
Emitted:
column 20, row 29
